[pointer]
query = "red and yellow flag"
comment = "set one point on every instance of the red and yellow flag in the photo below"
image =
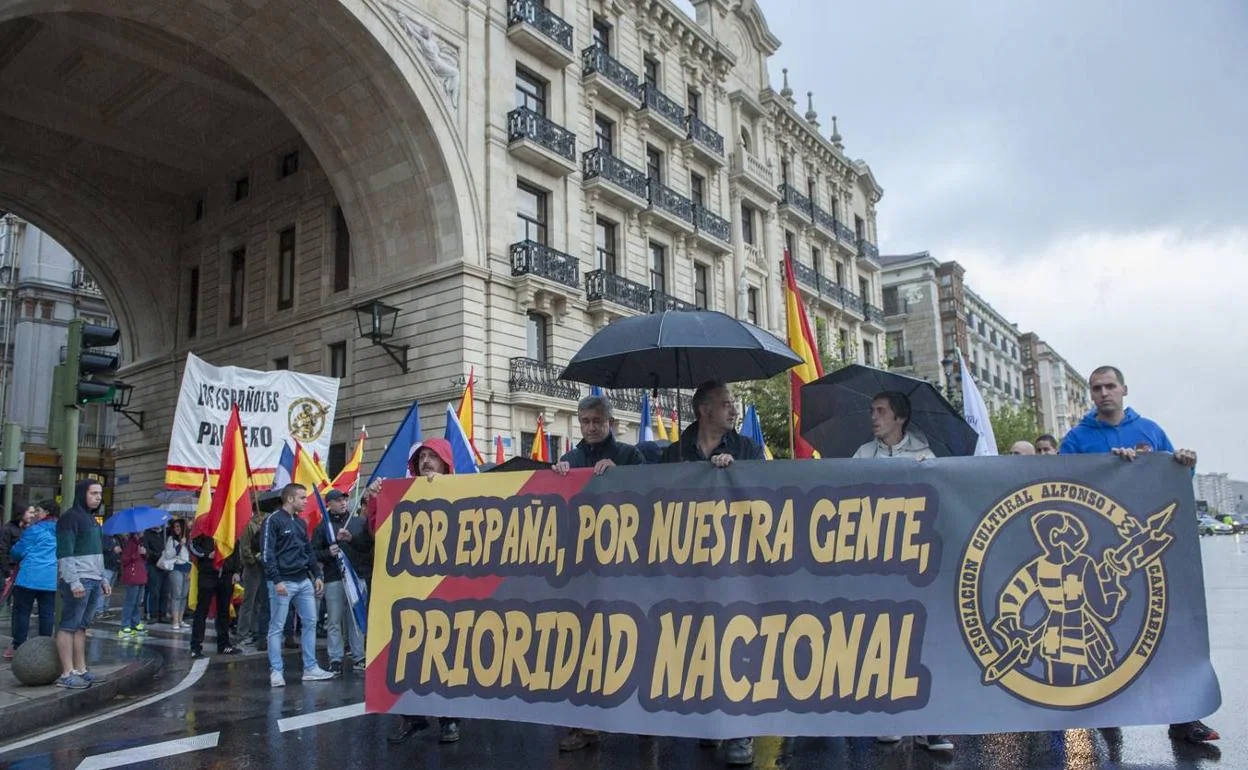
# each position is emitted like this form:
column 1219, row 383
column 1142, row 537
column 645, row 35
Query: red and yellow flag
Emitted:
column 802, row 341
column 311, row 475
column 465, row 415
column 541, row 447
column 499, row 457
column 349, row 476
column 231, row 501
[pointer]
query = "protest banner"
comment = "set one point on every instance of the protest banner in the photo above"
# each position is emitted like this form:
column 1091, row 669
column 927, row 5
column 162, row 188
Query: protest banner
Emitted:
column 273, row 406
column 834, row 597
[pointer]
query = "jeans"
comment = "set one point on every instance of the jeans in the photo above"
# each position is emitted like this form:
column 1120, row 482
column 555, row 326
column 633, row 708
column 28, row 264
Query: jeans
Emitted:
column 157, row 591
column 339, row 615
column 23, row 602
column 211, row 586
column 130, row 614
column 77, row 613
column 179, row 587
column 254, row 592
column 302, row 595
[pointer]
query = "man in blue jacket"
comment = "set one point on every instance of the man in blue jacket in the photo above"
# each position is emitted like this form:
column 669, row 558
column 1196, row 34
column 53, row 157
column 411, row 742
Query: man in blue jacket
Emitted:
column 294, row 577
column 1112, row 429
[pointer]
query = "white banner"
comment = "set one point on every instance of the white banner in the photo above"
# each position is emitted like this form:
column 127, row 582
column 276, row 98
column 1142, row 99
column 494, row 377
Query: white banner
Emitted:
column 976, row 413
column 272, row 406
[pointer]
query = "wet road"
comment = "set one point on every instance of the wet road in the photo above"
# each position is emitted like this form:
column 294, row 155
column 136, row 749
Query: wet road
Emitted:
column 227, row 717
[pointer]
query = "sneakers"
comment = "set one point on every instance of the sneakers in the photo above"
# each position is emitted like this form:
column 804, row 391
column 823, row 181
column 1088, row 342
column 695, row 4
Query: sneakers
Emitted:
column 933, row 742
column 739, row 752
column 317, row 674
column 197, row 654
column 1193, row 732
column 448, row 730
column 9, row 652
column 276, row 679
column 87, row 676
column 126, row 633
column 335, row 667
column 406, row 728
column 140, row 629
column 229, row 650
column 360, row 665
column 888, row 739
column 72, row 682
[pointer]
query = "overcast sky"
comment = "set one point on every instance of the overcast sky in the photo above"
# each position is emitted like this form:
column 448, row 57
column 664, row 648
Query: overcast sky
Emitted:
column 1082, row 160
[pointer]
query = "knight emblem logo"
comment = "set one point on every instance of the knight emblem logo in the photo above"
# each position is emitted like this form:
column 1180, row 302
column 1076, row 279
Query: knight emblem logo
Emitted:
column 1080, row 619
column 306, row 419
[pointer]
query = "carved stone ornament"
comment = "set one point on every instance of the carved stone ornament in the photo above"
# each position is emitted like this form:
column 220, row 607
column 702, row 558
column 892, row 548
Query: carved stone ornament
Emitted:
column 441, row 57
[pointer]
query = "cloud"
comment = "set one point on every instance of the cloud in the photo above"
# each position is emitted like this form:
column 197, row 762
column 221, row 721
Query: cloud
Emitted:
column 1166, row 306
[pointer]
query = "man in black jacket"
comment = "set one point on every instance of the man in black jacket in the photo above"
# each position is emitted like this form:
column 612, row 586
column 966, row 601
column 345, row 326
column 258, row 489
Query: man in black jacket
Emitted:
column 338, row 609
column 214, row 583
column 598, row 448
column 157, row 588
column 294, row 577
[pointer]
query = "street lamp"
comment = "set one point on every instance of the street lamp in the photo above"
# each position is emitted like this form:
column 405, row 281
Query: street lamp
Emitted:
column 950, row 365
column 377, row 321
column 121, row 403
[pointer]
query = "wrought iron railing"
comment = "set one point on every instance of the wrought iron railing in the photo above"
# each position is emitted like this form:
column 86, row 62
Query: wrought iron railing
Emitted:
column 539, row 16
column 533, row 258
column 789, row 196
column 523, row 123
column 655, row 100
column 844, row 232
column 868, row 249
column 896, row 307
column 660, row 301
column 532, row 376
column 807, row 275
column 84, row 283
column 824, row 219
column 704, row 135
column 904, row 359
column 595, row 163
column 596, row 60
column 711, row 223
column 666, row 199
column 603, row 285
column 873, row 314
column 664, row 402
column 850, row 300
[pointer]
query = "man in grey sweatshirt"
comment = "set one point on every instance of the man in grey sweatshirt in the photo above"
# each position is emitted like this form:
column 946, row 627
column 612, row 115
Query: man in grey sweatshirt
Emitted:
column 80, row 580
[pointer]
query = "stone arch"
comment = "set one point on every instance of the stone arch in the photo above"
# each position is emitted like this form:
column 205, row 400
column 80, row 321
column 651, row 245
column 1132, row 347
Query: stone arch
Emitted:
column 340, row 74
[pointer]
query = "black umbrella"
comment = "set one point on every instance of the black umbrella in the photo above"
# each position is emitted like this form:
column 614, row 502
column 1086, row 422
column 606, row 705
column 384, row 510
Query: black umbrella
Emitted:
column 836, row 412
column 676, row 349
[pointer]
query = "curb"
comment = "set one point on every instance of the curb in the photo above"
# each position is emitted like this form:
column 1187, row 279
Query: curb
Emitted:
column 69, row 705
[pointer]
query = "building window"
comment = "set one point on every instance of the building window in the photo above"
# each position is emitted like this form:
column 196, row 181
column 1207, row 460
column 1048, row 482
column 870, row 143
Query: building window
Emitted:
column 864, row 289
column 604, row 134
column 747, row 224
column 537, row 342
column 342, row 252
column 654, row 165
column 784, row 171
column 811, row 192
column 860, row 228
column 745, row 139
column 289, row 164
column 701, row 279
column 552, row 444
column 47, row 310
column 286, row 269
column 891, row 302
column 530, row 213
column 650, row 71
column 833, row 209
column 868, row 353
column 199, row 209
column 604, row 245
column 816, row 260
column 192, row 304
column 697, row 189
column 840, row 274
column 843, row 341
column 530, row 91
column 336, row 459
column 790, row 245
column 895, row 347
column 338, row 360
column 238, row 276
column 751, row 305
column 658, row 267
column 601, row 32
column 693, row 103
column 242, row 188
column 30, row 308
column 281, row 363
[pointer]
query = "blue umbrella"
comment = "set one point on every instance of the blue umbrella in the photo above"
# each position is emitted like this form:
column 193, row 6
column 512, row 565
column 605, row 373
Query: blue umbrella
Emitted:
column 135, row 519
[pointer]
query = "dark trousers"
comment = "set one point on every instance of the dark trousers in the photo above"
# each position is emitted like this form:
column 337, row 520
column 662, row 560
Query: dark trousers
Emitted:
column 23, row 602
column 158, row 593
column 212, row 586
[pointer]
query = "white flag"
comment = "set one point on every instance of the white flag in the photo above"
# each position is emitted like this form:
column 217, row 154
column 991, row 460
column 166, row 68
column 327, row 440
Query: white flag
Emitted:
column 976, row 413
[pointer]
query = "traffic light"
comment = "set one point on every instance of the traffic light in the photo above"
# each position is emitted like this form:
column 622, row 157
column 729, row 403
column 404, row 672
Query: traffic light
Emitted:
column 84, row 367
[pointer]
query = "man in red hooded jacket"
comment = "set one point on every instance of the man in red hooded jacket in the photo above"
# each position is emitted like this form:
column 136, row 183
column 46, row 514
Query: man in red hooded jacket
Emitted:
column 431, row 458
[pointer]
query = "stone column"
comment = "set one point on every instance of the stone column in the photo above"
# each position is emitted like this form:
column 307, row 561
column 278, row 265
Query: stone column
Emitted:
column 771, row 258
column 738, row 251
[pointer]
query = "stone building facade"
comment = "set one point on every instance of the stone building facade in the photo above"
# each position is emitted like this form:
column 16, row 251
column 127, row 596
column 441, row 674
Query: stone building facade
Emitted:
column 1056, row 390
column 1217, row 490
column 510, row 175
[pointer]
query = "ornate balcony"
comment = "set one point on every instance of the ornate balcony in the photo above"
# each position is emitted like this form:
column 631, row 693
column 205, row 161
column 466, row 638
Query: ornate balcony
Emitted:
column 546, row 279
column 664, row 402
column 750, row 171
column 704, row 141
column 807, row 276
column 613, row 296
column 531, row 376
column 669, row 208
column 868, row 255
column 537, row 140
column 824, row 220
column 664, row 115
column 901, row 360
column 536, row 29
column 795, row 203
column 660, row 302
column 873, row 316
column 852, row 302
column 605, row 77
column 614, row 179
column 845, row 234
column 85, row 284
column 712, row 230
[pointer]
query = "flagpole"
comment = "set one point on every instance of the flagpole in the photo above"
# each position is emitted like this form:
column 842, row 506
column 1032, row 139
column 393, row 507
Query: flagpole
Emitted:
column 792, row 447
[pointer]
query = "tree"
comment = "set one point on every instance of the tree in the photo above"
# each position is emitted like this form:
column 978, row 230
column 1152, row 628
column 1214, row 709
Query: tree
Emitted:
column 1011, row 423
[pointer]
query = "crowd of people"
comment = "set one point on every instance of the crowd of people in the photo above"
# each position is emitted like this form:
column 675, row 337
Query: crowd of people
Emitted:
column 286, row 574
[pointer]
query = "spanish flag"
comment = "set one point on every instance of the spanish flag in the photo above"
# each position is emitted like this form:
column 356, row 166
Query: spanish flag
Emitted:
column 465, row 416
column 349, row 476
column 499, row 457
column 541, row 447
column 312, row 476
column 803, row 343
column 202, row 506
column 231, row 501
column 660, row 427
